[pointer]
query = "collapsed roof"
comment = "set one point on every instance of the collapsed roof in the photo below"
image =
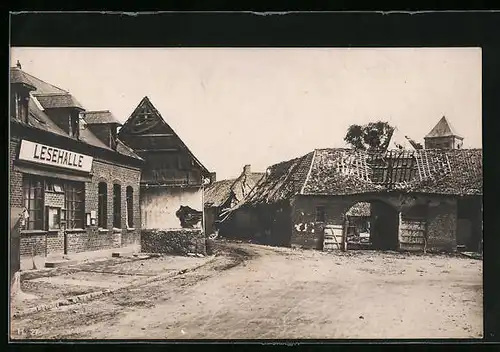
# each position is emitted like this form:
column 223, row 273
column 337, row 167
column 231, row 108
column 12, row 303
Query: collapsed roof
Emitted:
column 237, row 189
column 338, row 171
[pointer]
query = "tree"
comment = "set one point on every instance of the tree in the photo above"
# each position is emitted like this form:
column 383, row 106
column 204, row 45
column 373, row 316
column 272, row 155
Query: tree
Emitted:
column 372, row 136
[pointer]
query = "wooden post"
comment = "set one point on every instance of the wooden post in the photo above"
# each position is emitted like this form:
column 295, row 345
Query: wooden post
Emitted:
column 344, row 233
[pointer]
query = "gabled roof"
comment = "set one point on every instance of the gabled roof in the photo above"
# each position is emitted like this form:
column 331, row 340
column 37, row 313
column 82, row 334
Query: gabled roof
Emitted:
column 338, row 171
column 99, row 117
column 145, row 104
column 442, row 129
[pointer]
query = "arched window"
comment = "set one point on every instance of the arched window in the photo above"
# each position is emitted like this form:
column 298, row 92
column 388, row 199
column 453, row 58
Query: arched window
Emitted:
column 130, row 207
column 102, row 205
column 117, row 206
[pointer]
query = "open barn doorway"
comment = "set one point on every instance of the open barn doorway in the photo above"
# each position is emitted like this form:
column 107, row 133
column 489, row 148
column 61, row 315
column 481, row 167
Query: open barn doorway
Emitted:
column 372, row 225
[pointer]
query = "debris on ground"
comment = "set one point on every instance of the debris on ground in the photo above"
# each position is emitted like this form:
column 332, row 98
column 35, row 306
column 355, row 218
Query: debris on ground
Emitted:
column 473, row 255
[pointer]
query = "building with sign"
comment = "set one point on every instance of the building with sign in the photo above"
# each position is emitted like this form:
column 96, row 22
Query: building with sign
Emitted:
column 172, row 180
column 76, row 182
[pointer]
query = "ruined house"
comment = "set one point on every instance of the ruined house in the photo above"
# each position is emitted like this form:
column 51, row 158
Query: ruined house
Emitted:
column 424, row 198
column 172, row 182
column 226, row 194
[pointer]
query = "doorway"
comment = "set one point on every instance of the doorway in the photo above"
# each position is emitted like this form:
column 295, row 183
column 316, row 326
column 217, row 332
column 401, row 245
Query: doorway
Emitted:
column 372, row 224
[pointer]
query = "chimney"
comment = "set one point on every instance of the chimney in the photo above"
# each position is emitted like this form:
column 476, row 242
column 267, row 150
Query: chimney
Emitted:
column 213, row 177
column 18, row 65
column 247, row 170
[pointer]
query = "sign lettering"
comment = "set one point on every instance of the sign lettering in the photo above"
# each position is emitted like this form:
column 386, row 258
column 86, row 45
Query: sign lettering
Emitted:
column 44, row 154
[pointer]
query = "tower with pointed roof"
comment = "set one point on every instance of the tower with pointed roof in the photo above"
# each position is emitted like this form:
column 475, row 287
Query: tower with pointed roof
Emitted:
column 443, row 136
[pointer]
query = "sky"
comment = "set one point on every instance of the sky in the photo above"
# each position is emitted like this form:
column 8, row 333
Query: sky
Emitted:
column 261, row 106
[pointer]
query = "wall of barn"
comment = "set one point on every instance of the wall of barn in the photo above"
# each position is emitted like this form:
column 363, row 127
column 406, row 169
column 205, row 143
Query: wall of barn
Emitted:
column 469, row 223
column 405, row 232
column 307, row 232
column 159, row 206
column 442, row 225
column 248, row 223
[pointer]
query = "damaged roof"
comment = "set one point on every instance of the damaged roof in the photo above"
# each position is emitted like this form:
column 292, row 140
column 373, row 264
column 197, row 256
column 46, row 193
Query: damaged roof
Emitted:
column 38, row 118
column 339, row 171
column 282, row 181
column 238, row 188
column 218, row 193
column 450, row 172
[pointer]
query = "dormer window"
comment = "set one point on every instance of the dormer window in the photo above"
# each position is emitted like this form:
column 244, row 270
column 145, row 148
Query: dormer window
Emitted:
column 19, row 105
column 20, row 88
column 73, row 124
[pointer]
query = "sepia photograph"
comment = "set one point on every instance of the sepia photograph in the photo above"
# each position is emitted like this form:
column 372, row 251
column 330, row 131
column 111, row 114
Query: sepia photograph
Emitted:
column 245, row 193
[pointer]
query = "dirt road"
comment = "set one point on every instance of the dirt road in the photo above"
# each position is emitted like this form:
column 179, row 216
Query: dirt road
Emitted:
column 262, row 292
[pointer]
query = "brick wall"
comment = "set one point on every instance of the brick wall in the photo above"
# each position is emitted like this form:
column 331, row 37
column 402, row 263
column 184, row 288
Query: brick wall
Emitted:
column 16, row 178
column 90, row 238
column 33, row 244
column 112, row 174
column 175, row 241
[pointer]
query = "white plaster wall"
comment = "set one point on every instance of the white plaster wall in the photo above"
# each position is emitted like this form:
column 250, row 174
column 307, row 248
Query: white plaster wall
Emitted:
column 158, row 206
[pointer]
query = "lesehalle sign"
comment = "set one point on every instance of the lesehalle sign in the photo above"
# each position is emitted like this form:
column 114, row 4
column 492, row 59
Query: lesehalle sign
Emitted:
column 44, row 154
